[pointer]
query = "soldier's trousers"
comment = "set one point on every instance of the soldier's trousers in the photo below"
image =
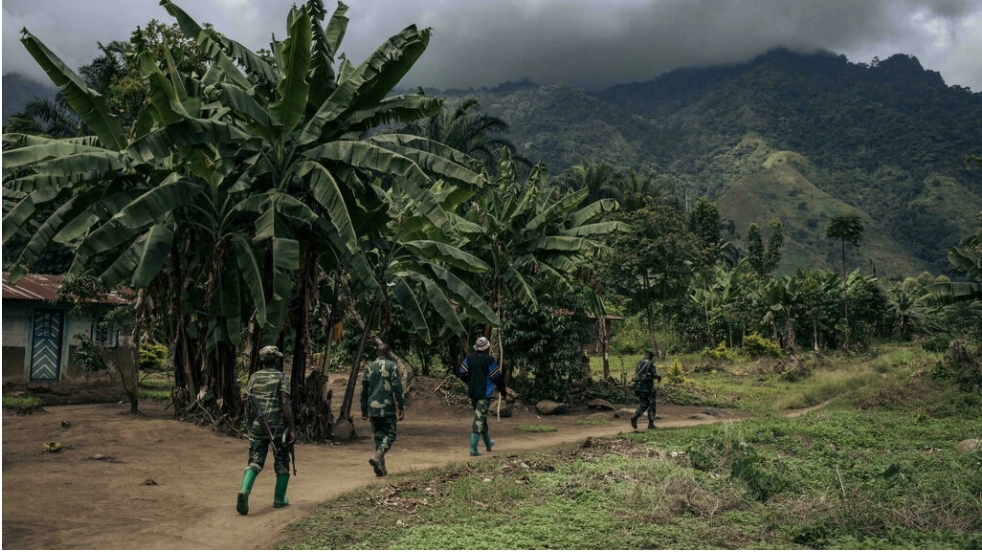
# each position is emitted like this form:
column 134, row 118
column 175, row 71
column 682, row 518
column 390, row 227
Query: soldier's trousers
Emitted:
column 384, row 430
column 481, row 407
column 647, row 399
column 259, row 448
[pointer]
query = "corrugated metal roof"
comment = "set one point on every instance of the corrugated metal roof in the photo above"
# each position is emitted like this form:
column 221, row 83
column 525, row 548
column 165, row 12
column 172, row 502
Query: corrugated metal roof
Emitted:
column 44, row 287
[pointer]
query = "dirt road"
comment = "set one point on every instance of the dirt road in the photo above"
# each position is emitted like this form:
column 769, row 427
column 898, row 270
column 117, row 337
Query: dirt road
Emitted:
column 150, row 482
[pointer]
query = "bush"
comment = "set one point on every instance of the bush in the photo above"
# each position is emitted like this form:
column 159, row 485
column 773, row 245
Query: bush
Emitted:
column 757, row 346
column 935, row 344
column 961, row 366
column 720, row 354
column 152, row 356
column 675, row 373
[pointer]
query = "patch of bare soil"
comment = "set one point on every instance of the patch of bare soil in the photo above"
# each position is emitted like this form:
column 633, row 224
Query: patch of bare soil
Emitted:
column 123, row 481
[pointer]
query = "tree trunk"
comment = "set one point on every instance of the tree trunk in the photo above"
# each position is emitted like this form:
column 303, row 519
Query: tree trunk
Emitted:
column 349, row 390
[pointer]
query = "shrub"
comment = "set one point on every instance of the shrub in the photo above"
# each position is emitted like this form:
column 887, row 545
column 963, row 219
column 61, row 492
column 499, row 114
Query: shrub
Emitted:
column 675, row 373
column 720, row 354
column 962, row 366
column 937, row 343
column 757, row 346
column 152, row 356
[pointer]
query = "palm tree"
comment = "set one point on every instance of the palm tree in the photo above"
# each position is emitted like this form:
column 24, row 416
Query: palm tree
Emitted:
column 601, row 181
column 477, row 135
column 845, row 228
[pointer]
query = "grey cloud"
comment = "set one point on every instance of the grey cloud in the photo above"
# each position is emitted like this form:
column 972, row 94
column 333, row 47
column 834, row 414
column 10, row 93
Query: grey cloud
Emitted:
column 591, row 43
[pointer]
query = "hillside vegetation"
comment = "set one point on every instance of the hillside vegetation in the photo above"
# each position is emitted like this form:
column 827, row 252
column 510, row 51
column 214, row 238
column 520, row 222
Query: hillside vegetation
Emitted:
column 885, row 140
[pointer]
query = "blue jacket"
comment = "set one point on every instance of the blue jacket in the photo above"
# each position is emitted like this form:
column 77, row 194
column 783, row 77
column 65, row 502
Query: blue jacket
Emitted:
column 482, row 374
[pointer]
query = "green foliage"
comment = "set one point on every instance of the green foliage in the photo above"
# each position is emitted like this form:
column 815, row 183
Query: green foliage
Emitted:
column 720, row 353
column 961, row 366
column 675, row 373
column 23, row 405
column 543, row 345
column 152, row 356
column 89, row 356
column 757, row 346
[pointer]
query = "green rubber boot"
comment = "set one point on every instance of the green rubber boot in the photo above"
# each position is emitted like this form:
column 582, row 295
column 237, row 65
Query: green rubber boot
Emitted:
column 242, row 501
column 488, row 442
column 378, row 463
column 279, row 493
column 475, row 437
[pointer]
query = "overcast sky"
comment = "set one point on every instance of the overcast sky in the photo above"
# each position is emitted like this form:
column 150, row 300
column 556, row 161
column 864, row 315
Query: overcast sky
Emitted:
column 589, row 43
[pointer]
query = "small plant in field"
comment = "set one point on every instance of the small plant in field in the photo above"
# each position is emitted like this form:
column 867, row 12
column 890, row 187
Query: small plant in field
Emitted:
column 675, row 373
column 533, row 428
column 592, row 421
column 720, row 354
column 757, row 346
column 23, row 405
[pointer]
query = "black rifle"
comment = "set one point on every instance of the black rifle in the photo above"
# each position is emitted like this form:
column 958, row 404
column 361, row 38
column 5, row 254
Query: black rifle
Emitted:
column 254, row 404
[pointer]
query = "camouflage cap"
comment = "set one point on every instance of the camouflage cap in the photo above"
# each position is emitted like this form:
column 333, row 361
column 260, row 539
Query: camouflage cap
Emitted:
column 269, row 352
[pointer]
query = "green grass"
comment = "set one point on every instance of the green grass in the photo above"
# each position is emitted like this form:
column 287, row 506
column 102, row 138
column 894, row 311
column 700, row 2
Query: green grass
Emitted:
column 157, row 386
column 23, row 405
column 534, row 428
column 876, row 469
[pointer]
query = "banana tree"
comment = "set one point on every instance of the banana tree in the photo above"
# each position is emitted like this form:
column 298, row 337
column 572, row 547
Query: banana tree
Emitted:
column 272, row 149
column 533, row 236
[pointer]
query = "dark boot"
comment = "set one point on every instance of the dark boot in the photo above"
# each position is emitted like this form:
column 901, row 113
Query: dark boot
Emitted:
column 242, row 501
column 279, row 493
column 634, row 422
column 488, row 442
column 475, row 437
column 651, row 424
column 378, row 463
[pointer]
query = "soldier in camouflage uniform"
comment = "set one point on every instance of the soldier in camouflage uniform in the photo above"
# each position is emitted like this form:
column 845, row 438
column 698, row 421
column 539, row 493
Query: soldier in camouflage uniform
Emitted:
column 381, row 402
column 644, row 387
column 482, row 374
column 271, row 388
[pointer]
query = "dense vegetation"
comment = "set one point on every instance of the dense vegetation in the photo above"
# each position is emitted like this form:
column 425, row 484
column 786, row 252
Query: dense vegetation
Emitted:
column 290, row 197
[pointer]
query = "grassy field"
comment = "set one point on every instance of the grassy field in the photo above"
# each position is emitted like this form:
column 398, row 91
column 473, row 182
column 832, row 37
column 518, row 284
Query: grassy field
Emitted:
column 874, row 468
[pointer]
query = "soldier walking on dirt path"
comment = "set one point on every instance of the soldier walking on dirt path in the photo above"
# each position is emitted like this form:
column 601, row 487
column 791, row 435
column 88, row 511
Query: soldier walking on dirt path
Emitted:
column 644, row 387
column 481, row 373
column 270, row 415
column 382, row 402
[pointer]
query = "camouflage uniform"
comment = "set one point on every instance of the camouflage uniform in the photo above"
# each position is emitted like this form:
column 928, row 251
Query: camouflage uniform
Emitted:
column 266, row 385
column 644, row 387
column 481, row 373
column 381, row 396
column 271, row 389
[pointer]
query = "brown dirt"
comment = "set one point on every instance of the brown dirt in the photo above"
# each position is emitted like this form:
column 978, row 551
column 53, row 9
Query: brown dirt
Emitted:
column 122, row 481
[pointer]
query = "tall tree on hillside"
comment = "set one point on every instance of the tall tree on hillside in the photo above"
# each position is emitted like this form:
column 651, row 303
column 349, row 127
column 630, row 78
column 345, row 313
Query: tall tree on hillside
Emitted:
column 845, row 228
column 765, row 260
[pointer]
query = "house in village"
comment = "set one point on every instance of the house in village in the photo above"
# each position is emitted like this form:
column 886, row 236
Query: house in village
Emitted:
column 42, row 333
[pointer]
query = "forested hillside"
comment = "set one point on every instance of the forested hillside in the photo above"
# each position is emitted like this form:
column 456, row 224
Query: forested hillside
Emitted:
column 885, row 140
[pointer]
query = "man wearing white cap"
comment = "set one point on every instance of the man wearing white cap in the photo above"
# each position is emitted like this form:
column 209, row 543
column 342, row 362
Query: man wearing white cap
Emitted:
column 482, row 374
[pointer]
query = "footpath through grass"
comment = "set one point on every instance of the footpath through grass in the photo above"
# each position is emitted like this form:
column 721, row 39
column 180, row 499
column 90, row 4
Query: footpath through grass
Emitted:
column 876, row 469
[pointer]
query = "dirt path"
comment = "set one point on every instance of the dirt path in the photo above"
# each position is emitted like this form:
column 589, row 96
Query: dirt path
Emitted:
column 151, row 482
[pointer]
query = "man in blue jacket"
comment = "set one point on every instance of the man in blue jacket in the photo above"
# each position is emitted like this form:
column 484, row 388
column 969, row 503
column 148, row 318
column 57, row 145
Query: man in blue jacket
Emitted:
column 482, row 374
